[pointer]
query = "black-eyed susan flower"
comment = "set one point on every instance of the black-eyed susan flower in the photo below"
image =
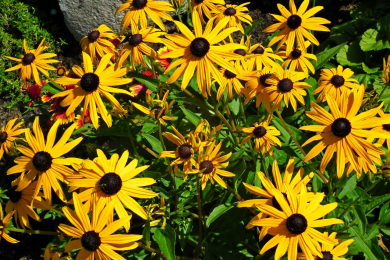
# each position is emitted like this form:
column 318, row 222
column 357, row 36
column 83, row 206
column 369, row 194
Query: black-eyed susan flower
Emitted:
column 113, row 180
column 32, row 61
column 4, row 222
column 97, row 43
column 90, row 85
column 44, row 160
column 184, row 153
column 210, row 164
column 159, row 108
column 8, row 135
column 22, row 203
column 95, row 241
column 138, row 10
column 50, row 255
column 255, row 88
column 264, row 134
column 385, row 128
column 294, row 224
column 330, row 251
column 262, row 57
column 236, row 15
column 206, row 7
column 204, row 133
column 297, row 59
column 294, row 25
column 136, row 46
column 267, row 194
column 232, row 81
column 334, row 82
column 341, row 131
column 198, row 52
column 156, row 213
column 285, row 85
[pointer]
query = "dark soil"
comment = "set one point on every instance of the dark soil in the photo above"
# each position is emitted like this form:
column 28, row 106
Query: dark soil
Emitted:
column 337, row 11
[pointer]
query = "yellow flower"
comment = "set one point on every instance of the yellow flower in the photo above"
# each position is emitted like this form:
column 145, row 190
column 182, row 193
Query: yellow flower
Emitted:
column 137, row 45
column 44, row 160
column 342, row 131
column 384, row 128
column 386, row 71
column 261, row 57
column 22, row 203
column 294, row 224
column 199, row 52
column 96, row 42
column 268, row 194
column 206, row 7
column 334, row 82
column 137, row 9
column 233, row 81
column 297, row 59
column 156, row 213
column 8, row 135
column 265, row 136
column 255, row 88
column 160, row 108
column 236, row 15
column 95, row 241
column 364, row 165
column 33, row 61
column 294, row 24
column 285, row 85
column 90, row 85
column 4, row 222
column 203, row 132
column 184, row 152
column 210, row 165
column 330, row 251
column 112, row 180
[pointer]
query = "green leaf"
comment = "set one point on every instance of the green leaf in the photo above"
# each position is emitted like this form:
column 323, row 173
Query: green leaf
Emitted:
column 348, row 187
column 350, row 55
column 154, row 142
column 373, row 41
column 364, row 246
column 325, row 56
column 146, row 232
column 250, row 28
column 51, row 88
column 237, row 155
column 165, row 239
column 361, row 217
column 185, row 229
column 217, row 212
column 368, row 69
column 150, row 83
column 192, row 117
column 234, row 106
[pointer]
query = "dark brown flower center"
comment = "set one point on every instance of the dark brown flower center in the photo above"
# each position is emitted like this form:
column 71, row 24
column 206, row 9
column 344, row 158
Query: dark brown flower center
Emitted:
column 42, row 161
column 296, row 53
column 139, row 3
column 28, row 58
column 199, row 47
column 14, row 195
column 91, row 241
column 285, row 85
column 240, row 52
column 337, row 81
column 110, row 183
column 230, row 11
column 294, row 21
column 341, row 127
column 258, row 50
column 385, row 127
column 276, row 204
column 259, row 131
column 157, row 111
column 135, row 39
column 207, row 166
column 185, row 151
column 198, row 1
column 327, row 256
column 263, row 79
column 3, row 137
column 296, row 224
column 93, row 36
column 89, row 82
column 229, row 74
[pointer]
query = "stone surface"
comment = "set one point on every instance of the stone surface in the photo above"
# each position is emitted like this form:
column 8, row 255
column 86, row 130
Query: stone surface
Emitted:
column 82, row 16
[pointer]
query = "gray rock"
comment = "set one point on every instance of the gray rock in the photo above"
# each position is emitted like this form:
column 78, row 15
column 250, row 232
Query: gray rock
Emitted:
column 82, row 16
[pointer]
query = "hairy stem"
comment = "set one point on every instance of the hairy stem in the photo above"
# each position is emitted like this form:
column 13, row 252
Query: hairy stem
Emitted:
column 35, row 232
column 198, row 184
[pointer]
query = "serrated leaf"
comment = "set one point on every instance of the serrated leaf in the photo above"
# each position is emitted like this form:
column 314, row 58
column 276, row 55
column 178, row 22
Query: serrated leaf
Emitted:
column 154, row 142
column 217, row 212
column 192, row 117
column 165, row 239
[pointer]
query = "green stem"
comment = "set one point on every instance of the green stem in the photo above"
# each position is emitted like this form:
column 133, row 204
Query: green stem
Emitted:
column 358, row 198
column 296, row 142
column 132, row 143
column 264, row 165
column 35, row 232
column 220, row 116
column 198, row 248
column 179, row 15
